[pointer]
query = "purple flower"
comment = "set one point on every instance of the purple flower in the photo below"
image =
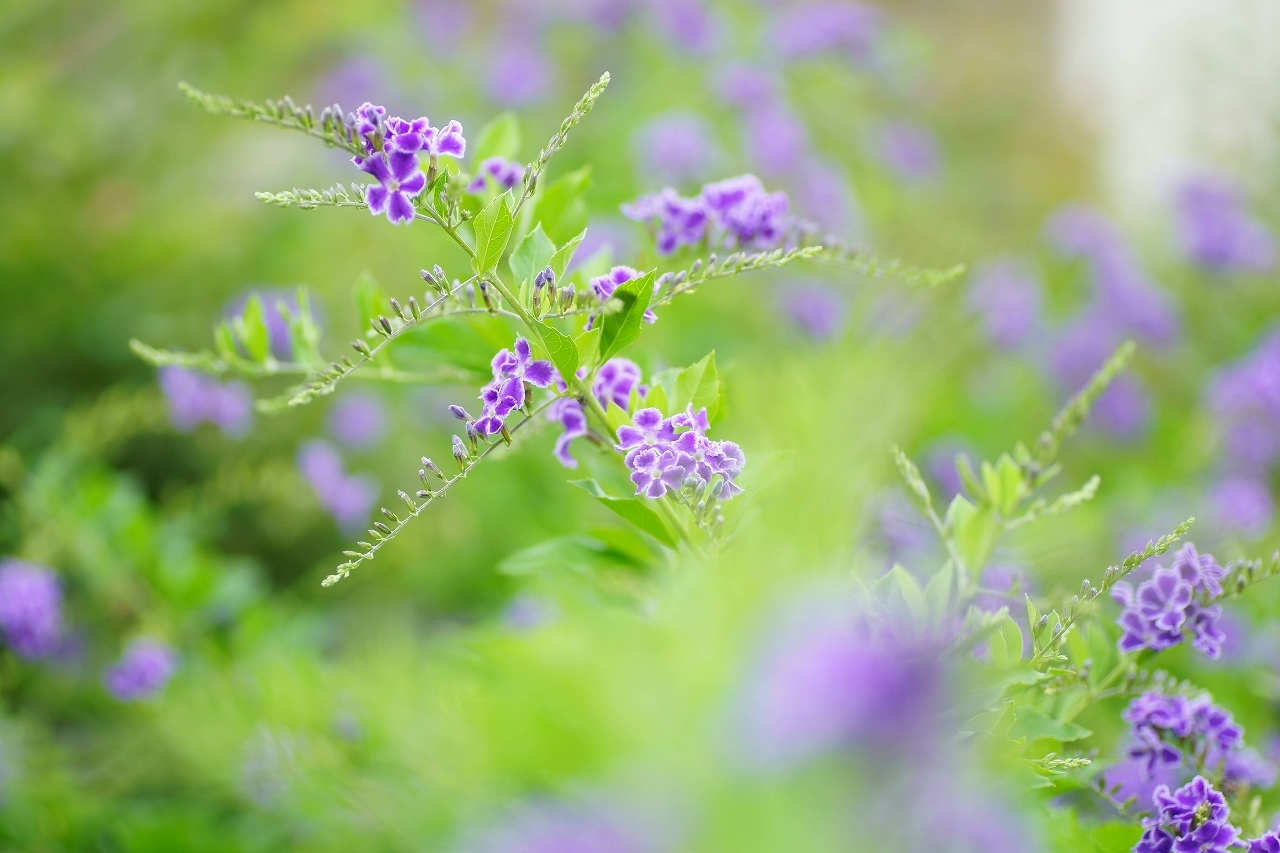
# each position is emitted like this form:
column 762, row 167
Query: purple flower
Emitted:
column 603, row 286
column 648, row 429
column 399, row 180
column 1267, row 843
column 142, row 671
column 1079, row 349
column 1156, row 614
column 358, row 420
column 506, row 393
column 816, row 309
column 746, row 86
column 1244, row 504
column 909, row 150
column 410, row 137
column 1248, row 767
column 656, row 471
column 1192, row 819
column 1215, row 229
column 502, row 173
column 1245, row 396
column 776, row 139
column 1007, row 296
column 823, row 683
column 519, row 73
column 1200, row 570
column 370, row 126
column 349, row 499
column 747, row 216
column 822, row 191
column 549, row 828
column 614, row 381
column 30, row 609
column 822, row 27
column 568, row 412
column 678, row 221
column 675, row 148
column 686, row 22
column 194, row 398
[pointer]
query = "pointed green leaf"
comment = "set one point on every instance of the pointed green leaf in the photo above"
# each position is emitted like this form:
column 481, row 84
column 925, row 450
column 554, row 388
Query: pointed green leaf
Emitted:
column 531, row 256
column 698, row 385
column 561, row 208
column 493, row 230
column 635, row 510
column 622, row 327
column 561, row 349
column 251, row 329
column 1006, row 642
column 901, row 597
column 560, row 260
column 937, row 593
column 657, row 398
column 498, row 138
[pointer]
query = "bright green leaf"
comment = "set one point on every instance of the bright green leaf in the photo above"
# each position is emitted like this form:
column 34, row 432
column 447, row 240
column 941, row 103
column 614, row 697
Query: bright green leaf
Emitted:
column 493, row 230
column 531, row 256
column 901, row 596
column 937, row 593
column 560, row 260
column 251, row 329
column 561, row 349
column 635, row 510
column 498, row 138
column 699, row 385
column 560, row 206
column 620, row 328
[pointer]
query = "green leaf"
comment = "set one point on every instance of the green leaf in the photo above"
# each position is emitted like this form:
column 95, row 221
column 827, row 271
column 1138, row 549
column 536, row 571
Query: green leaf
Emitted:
column 493, row 230
column 560, row 206
column 901, row 596
column 224, row 343
column 1035, row 725
column 577, row 552
column 1033, row 613
column 1006, row 642
column 1004, row 484
column 370, row 300
column 531, row 256
column 974, row 531
column 560, row 260
column 937, row 593
column 251, row 329
column 617, row 417
column 622, row 327
column 498, row 138
column 304, row 335
column 634, row 510
column 588, row 344
column 657, row 398
column 699, row 385
column 561, row 349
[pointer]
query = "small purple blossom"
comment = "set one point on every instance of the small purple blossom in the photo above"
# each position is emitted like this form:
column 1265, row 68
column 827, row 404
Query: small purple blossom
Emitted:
column 195, row 398
column 615, row 380
column 678, row 221
column 399, row 181
column 1193, row 819
column 512, row 371
column 746, row 215
column 568, row 412
column 30, row 609
column 1200, row 570
column 1215, row 228
column 666, row 454
column 1173, row 600
column 1244, row 504
column 349, row 499
column 1008, row 297
column 370, row 126
column 655, row 471
column 358, row 420
column 909, row 150
column 648, row 429
column 498, row 172
column 814, row 28
column 1267, row 843
column 142, row 671
column 675, row 148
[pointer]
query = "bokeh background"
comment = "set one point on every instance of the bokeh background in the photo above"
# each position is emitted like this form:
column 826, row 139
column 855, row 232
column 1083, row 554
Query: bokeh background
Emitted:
column 1105, row 168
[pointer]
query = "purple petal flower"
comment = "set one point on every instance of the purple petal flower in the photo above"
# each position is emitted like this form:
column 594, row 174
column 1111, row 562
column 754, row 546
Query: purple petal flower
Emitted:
column 498, row 171
column 910, row 151
column 648, row 428
column 1008, row 297
column 1215, row 229
column 675, row 148
column 358, row 420
column 30, row 609
column 1200, row 570
column 447, row 141
column 614, row 381
column 194, row 398
column 603, row 286
column 1243, row 504
column 349, row 499
column 407, row 137
column 142, row 671
column 519, row 73
column 824, row 27
column 678, row 221
column 569, row 413
column 1269, row 842
column 399, row 181
column 816, row 309
column 746, row 215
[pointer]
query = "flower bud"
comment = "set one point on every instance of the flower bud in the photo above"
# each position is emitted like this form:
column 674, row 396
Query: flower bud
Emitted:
column 460, row 413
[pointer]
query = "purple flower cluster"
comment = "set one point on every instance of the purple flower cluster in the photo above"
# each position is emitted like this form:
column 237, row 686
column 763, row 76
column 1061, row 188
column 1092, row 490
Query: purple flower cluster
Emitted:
column 1245, row 400
column 142, row 671
column 603, row 287
column 1174, row 600
column 1167, row 728
column 391, row 150
column 1193, row 819
column 1216, row 230
column 30, row 609
column 1267, row 843
column 348, row 498
column 195, row 398
column 513, row 375
column 498, row 172
column 665, row 454
column 828, row 27
column 1008, row 298
column 614, row 383
column 733, row 213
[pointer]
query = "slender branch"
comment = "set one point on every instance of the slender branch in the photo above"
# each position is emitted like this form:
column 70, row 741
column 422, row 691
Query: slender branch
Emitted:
column 332, row 128
column 535, row 169
column 382, row 537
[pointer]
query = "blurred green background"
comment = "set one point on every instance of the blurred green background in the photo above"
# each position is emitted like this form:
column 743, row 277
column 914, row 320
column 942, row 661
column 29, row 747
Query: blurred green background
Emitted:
column 412, row 702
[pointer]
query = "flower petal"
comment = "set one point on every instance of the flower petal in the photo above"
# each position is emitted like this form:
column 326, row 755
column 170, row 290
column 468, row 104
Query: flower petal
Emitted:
column 400, row 209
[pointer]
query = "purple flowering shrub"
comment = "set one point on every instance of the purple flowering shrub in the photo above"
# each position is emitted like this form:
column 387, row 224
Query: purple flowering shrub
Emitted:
column 567, row 321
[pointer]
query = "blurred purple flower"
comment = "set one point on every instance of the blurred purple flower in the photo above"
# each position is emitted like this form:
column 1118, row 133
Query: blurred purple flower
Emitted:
column 603, row 287
column 822, row 27
column 941, row 464
column 909, row 150
column 747, row 216
column 1243, row 504
column 499, row 172
column 349, row 499
column 142, row 671
column 777, row 141
column 1248, row 767
column 519, row 73
column 814, row 308
column 677, row 221
column 823, row 683
column 30, row 609
column 358, row 420
column 1078, row 350
column 443, row 24
column 351, row 83
column 554, row 828
column 195, row 398
column 1245, row 397
column 747, row 87
column 822, row 195
column 1216, row 230
column 526, row 612
column 675, row 148
column 614, row 381
column 568, row 412
column 688, row 23
column 1007, row 295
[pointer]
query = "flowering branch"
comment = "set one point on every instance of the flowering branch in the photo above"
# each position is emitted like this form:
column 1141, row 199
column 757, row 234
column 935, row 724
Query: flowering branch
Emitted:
column 382, row 533
column 334, row 129
column 838, row 254
column 579, row 112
